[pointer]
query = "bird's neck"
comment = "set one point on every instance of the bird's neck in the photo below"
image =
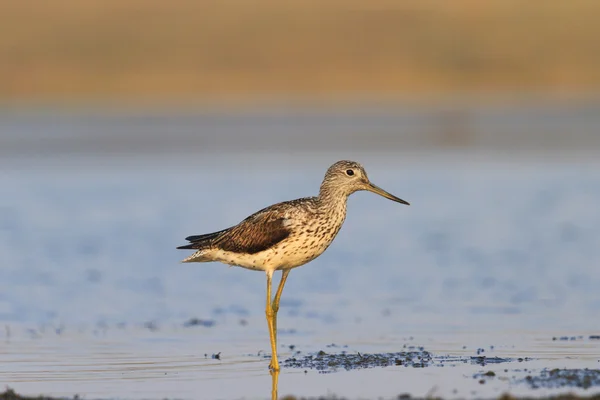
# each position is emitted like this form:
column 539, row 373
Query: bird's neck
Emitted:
column 332, row 201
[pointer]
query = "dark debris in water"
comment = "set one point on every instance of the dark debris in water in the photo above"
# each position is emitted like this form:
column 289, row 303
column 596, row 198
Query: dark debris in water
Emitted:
column 207, row 323
column 329, row 362
column 569, row 338
column 151, row 326
column 333, row 345
column 416, row 357
column 10, row 394
column 482, row 360
column 573, row 338
column 483, row 377
column 214, row 356
column 561, row 378
column 566, row 396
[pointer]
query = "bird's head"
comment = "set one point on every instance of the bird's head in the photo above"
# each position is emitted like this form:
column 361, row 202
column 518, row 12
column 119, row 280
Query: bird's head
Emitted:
column 346, row 177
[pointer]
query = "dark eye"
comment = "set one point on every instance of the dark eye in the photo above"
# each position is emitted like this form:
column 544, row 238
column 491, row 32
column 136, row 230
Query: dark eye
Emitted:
column 349, row 172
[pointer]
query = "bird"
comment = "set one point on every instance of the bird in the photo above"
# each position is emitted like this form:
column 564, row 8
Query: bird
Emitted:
column 286, row 235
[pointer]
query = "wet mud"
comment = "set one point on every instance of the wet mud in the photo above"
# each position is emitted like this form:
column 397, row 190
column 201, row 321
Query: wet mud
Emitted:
column 330, row 362
column 559, row 378
column 547, row 378
column 10, row 394
column 413, row 357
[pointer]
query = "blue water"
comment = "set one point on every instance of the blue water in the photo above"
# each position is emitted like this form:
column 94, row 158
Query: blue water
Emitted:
column 488, row 244
column 499, row 250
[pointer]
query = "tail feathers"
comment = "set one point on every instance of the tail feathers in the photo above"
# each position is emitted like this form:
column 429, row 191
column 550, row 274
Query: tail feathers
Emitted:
column 196, row 257
column 190, row 246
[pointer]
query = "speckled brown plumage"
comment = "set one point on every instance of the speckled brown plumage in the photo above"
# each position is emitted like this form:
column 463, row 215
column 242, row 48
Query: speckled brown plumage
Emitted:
column 269, row 230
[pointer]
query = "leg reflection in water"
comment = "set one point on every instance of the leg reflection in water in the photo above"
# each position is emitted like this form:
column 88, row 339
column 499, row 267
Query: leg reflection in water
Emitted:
column 274, row 383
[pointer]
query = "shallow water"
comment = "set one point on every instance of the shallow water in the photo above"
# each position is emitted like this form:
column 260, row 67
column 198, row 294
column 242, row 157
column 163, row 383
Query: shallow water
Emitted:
column 494, row 253
column 178, row 363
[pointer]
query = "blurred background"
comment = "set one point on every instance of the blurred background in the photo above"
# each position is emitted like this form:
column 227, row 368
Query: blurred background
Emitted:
column 128, row 125
column 140, row 76
column 230, row 52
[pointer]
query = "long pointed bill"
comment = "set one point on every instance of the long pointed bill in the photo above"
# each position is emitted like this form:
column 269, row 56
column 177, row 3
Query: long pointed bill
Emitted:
column 376, row 189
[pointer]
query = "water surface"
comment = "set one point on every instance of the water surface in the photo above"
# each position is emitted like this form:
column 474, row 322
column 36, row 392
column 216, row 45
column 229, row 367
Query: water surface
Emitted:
column 495, row 253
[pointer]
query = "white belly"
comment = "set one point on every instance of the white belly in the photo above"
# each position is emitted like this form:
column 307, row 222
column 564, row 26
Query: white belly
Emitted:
column 284, row 255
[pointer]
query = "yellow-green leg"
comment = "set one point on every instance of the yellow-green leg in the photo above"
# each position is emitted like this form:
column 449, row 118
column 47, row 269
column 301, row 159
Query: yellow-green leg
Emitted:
column 271, row 312
column 275, row 304
column 274, row 365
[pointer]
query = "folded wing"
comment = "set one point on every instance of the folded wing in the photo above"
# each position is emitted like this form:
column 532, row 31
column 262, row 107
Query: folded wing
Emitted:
column 256, row 233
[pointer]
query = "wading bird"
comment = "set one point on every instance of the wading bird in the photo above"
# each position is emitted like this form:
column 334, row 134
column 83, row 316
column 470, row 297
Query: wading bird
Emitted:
column 286, row 235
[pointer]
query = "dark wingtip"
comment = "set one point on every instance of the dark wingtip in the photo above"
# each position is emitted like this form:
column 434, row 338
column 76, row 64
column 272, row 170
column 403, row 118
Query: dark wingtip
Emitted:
column 206, row 236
